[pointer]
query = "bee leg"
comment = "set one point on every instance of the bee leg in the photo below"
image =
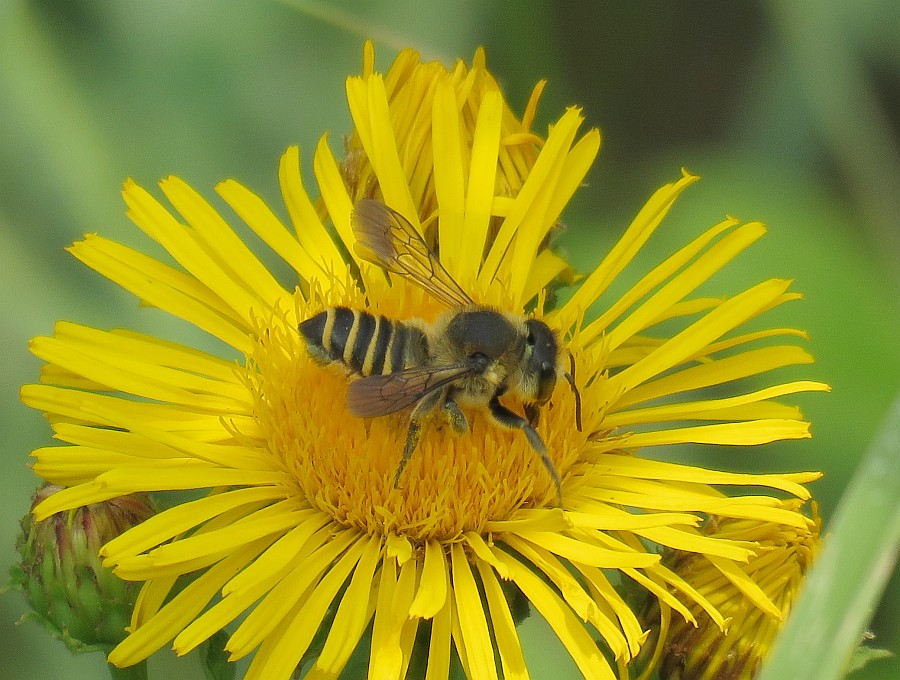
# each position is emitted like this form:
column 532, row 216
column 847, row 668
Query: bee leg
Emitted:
column 457, row 419
column 422, row 409
column 513, row 420
column 533, row 413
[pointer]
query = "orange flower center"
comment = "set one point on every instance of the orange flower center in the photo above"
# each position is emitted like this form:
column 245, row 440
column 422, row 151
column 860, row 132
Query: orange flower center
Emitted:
column 454, row 483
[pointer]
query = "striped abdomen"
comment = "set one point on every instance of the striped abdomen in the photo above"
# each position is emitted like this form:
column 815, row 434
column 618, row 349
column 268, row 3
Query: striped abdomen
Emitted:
column 366, row 343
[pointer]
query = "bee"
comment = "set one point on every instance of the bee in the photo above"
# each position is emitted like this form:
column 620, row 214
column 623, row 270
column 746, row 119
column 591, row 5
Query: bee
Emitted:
column 472, row 355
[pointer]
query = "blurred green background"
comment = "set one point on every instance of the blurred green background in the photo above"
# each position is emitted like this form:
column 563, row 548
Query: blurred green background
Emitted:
column 789, row 110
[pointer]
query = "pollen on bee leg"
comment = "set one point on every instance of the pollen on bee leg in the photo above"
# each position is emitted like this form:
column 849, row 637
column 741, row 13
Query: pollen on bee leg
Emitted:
column 455, row 417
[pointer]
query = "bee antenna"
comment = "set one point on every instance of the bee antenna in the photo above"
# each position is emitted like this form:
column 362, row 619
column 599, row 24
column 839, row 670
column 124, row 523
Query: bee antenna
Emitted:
column 570, row 378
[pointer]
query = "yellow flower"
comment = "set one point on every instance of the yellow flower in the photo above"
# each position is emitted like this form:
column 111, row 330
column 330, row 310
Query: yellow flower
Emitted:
column 755, row 614
column 302, row 526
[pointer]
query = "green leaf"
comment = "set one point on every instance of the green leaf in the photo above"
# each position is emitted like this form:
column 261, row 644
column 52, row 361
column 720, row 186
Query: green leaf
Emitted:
column 136, row 672
column 865, row 655
column 846, row 581
column 216, row 665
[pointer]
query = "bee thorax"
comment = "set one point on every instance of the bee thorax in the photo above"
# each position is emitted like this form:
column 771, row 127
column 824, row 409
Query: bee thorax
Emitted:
column 482, row 332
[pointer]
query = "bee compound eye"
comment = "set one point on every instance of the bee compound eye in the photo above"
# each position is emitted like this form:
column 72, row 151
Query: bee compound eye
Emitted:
column 530, row 339
column 546, row 381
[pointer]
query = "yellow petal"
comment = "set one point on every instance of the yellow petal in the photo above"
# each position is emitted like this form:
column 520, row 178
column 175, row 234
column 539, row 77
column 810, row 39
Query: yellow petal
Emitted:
column 717, row 372
column 148, row 278
column 630, row 467
column 594, row 515
column 608, row 598
column 129, row 375
column 585, row 553
column 432, row 593
column 482, row 179
column 531, row 106
column 222, row 614
column 573, row 593
column 687, row 280
column 386, row 656
column 693, row 541
column 449, row 173
column 575, row 167
column 745, row 338
column 472, row 622
column 163, row 287
column 526, row 519
column 293, row 591
column 525, row 221
column 154, row 594
column 732, row 434
column 546, row 267
column 562, row 620
column 148, row 214
column 538, row 220
column 353, row 612
column 439, row 644
column 503, row 626
column 311, row 233
column 686, row 308
column 369, row 108
column 259, row 217
column 711, row 408
column 483, row 552
column 221, row 242
column 391, row 639
column 181, row 609
column 273, row 519
column 156, row 351
column 73, row 465
column 293, row 643
column 334, row 193
column 716, row 323
column 746, row 585
column 663, row 582
column 399, row 546
column 178, row 519
column 646, row 222
column 308, row 535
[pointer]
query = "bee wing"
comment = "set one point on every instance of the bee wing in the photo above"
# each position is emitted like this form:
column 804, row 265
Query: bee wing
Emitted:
column 379, row 395
column 386, row 238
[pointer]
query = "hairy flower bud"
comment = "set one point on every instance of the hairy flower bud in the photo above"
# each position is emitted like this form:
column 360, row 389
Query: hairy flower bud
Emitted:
column 754, row 610
column 79, row 600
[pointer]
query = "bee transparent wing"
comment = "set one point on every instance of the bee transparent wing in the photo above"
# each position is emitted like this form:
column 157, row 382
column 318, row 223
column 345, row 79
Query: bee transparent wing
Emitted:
column 379, row 395
column 386, row 238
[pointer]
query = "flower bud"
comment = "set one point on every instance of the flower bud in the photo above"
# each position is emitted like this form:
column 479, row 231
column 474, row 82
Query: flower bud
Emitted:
column 76, row 598
column 776, row 573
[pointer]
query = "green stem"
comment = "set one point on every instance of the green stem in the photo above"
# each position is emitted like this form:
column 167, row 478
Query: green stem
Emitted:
column 136, row 672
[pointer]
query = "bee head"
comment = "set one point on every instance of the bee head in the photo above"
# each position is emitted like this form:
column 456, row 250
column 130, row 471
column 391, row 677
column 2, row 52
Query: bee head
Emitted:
column 542, row 358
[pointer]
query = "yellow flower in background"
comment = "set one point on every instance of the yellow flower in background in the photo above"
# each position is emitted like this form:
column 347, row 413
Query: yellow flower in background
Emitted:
column 755, row 615
column 299, row 525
